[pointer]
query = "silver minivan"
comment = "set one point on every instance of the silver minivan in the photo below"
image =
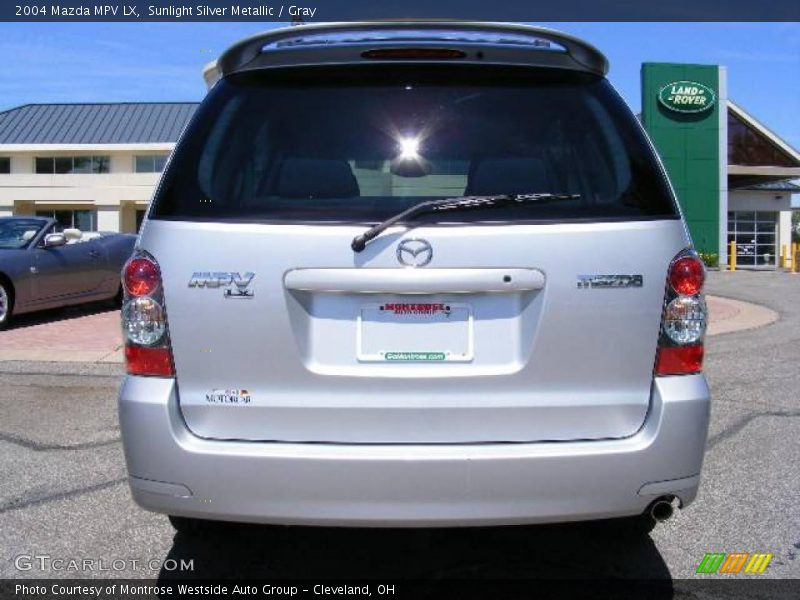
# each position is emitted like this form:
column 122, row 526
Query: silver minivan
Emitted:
column 413, row 274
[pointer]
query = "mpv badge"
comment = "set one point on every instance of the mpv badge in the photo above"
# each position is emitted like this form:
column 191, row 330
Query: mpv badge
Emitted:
column 414, row 252
column 235, row 285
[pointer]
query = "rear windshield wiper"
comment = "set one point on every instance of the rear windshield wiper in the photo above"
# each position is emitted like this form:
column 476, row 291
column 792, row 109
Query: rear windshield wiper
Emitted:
column 459, row 203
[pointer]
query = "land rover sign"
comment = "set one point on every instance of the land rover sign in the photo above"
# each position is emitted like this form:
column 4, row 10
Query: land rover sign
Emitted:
column 686, row 96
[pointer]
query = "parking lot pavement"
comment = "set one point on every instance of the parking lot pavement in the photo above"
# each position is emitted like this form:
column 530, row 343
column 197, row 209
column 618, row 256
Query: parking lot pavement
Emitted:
column 88, row 333
column 63, row 490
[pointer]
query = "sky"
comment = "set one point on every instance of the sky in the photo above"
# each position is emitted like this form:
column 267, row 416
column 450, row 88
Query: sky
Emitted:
column 118, row 62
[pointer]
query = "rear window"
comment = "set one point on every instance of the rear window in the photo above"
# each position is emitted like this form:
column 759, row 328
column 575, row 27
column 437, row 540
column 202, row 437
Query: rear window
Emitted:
column 362, row 144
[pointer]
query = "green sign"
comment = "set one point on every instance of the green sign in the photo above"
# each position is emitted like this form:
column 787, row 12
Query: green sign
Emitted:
column 689, row 144
column 687, row 96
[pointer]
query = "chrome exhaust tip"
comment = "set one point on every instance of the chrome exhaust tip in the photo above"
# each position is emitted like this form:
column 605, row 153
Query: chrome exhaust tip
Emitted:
column 661, row 510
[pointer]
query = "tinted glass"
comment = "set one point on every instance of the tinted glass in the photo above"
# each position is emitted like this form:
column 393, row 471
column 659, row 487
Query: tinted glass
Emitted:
column 44, row 165
column 5, row 165
column 150, row 163
column 66, row 219
column 82, row 164
column 143, row 164
column 83, row 220
column 72, row 164
column 63, row 164
column 746, row 146
column 100, row 164
column 363, row 144
column 63, row 217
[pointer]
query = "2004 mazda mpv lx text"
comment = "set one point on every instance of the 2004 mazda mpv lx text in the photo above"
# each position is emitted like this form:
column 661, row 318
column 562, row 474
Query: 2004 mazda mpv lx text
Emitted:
column 413, row 274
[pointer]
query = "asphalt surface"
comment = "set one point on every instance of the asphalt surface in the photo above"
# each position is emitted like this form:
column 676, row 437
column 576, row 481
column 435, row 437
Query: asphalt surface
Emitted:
column 63, row 491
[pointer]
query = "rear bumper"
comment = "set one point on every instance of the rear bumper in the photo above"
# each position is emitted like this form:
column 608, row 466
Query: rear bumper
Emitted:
column 173, row 471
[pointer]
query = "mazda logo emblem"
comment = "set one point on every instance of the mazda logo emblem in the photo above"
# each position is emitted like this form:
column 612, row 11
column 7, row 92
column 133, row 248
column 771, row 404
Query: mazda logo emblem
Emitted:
column 414, row 253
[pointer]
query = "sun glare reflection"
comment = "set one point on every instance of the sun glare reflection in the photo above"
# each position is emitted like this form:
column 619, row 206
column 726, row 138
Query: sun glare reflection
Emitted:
column 409, row 148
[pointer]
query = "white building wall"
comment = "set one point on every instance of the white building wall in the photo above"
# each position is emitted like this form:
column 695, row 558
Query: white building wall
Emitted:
column 21, row 163
column 108, row 218
column 122, row 163
column 722, row 91
column 115, row 196
column 759, row 200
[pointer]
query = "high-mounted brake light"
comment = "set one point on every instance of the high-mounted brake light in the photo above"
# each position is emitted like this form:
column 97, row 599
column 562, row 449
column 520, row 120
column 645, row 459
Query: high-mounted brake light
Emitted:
column 413, row 53
column 148, row 350
column 684, row 318
column 140, row 276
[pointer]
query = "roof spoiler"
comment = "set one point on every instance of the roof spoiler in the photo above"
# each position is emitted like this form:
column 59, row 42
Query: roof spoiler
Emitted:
column 306, row 45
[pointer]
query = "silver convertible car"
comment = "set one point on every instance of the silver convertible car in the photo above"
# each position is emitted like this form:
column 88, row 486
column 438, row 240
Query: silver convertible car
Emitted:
column 44, row 266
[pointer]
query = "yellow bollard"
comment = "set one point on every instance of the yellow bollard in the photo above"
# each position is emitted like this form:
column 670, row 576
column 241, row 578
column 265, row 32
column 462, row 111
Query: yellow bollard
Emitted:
column 732, row 257
column 795, row 256
column 783, row 256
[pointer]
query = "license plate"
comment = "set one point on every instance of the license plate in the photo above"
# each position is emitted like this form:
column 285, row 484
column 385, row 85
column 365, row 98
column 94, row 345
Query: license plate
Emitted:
column 415, row 332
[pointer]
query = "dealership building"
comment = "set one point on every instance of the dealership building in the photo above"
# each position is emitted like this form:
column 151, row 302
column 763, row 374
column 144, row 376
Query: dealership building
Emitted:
column 732, row 175
column 94, row 166
column 91, row 166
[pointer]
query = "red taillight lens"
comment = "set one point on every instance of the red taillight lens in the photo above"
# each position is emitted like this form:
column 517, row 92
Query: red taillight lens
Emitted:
column 141, row 277
column 683, row 318
column 686, row 275
column 679, row 360
column 155, row 362
column 148, row 350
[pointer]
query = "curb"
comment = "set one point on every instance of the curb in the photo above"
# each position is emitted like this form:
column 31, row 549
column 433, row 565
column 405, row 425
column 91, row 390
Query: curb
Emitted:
column 727, row 315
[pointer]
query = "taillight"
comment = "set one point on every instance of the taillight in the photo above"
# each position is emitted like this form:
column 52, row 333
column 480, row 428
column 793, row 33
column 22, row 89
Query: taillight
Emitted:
column 143, row 321
column 141, row 276
column 684, row 318
column 148, row 350
column 679, row 360
column 686, row 275
column 153, row 362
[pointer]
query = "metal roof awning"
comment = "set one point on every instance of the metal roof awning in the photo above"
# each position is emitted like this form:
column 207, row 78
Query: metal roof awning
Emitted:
column 762, row 178
column 81, row 126
column 776, row 186
column 754, row 175
column 764, row 171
